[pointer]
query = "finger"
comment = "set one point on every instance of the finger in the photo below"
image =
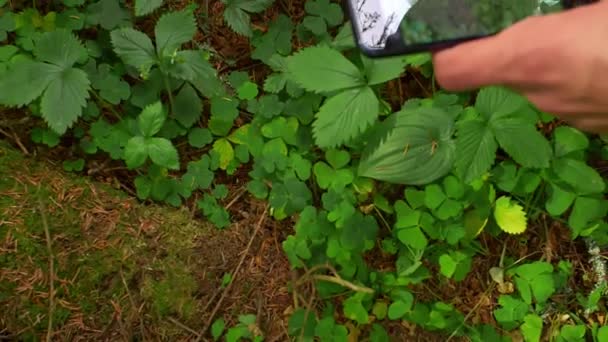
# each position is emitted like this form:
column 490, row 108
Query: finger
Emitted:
column 591, row 125
column 472, row 64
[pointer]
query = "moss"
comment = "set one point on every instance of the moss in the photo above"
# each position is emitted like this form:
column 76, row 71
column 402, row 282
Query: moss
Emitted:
column 102, row 241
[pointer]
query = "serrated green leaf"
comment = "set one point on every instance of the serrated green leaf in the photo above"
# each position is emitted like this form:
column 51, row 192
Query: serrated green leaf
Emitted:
column 497, row 102
column 275, row 43
column 145, row 7
column 198, row 175
column 134, row 48
column 510, row 216
column 522, row 142
column 151, row 119
column 475, row 149
column 187, row 106
column 25, row 81
column 225, row 150
column 191, row 65
column 136, row 152
column 345, row 116
column 413, row 146
column 322, row 69
column 64, row 99
column 172, row 30
column 238, row 20
column 59, row 47
column 163, row 153
column 382, row 70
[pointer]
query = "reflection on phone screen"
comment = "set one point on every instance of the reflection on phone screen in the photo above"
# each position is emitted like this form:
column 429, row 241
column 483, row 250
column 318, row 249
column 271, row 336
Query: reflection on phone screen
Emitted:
column 429, row 21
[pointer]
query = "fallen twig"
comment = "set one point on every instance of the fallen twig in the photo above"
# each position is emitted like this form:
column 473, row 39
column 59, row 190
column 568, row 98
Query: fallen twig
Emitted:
column 234, row 275
column 47, row 234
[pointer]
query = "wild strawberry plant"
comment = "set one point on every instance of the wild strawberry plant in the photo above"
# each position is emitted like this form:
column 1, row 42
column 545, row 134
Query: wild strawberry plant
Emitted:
column 417, row 183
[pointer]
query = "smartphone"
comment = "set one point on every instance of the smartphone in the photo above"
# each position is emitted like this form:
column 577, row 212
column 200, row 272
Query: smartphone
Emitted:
column 396, row 27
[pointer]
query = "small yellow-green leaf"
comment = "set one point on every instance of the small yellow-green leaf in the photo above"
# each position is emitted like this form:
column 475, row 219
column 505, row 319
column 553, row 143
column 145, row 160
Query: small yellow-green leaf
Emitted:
column 510, row 216
column 225, row 151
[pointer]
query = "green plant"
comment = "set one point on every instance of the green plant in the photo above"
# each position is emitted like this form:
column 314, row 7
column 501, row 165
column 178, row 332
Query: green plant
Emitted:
column 416, row 185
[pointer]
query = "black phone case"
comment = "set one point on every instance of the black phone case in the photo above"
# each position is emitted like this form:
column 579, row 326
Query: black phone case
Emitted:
column 395, row 46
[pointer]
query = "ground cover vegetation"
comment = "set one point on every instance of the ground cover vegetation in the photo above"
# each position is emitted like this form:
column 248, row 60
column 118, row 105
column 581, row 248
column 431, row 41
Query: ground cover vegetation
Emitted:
column 404, row 212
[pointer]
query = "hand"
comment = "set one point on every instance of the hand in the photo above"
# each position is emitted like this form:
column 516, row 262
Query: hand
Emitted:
column 558, row 61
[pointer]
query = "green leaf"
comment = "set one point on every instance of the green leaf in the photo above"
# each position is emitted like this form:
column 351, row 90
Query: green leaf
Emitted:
column 535, row 279
column 25, row 81
column 163, row 153
column 136, row 152
column 573, row 333
column 510, row 217
column 111, row 87
column 191, row 65
column 64, row 99
column 475, row 149
column 329, row 11
column 198, row 175
column 497, row 102
column 172, row 30
column 532, row 328
column 238, row 20
column 447, row 265
column 568, row 140
column 322, row 69
column 354, row 309
column 107, row 13
column 337, row 158
column 217, row 328
column 511, row 313
column 151, row 119
column 145, row 7
column 59, row 47
column 586, row 210
column 399, row 308
column 225, row 150
column 247, row 91
column 559, row 200
column 345, row 116
column 199, row 137
column 583, row 179
column 522, row 142
column 134, row 48
column 187, row 106
column 382, row 70
column 433, row 196
column 413, row 146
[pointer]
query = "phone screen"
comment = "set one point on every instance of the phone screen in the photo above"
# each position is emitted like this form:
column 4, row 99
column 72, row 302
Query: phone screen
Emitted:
column 423, row 22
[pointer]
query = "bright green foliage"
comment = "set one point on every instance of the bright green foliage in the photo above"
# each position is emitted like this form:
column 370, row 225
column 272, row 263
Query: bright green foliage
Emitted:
column 532, row 328
column 410, row 147
column 535, row 280
column 160, row 150
column 510, row 216
column 325, row 136
column 63, row 88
